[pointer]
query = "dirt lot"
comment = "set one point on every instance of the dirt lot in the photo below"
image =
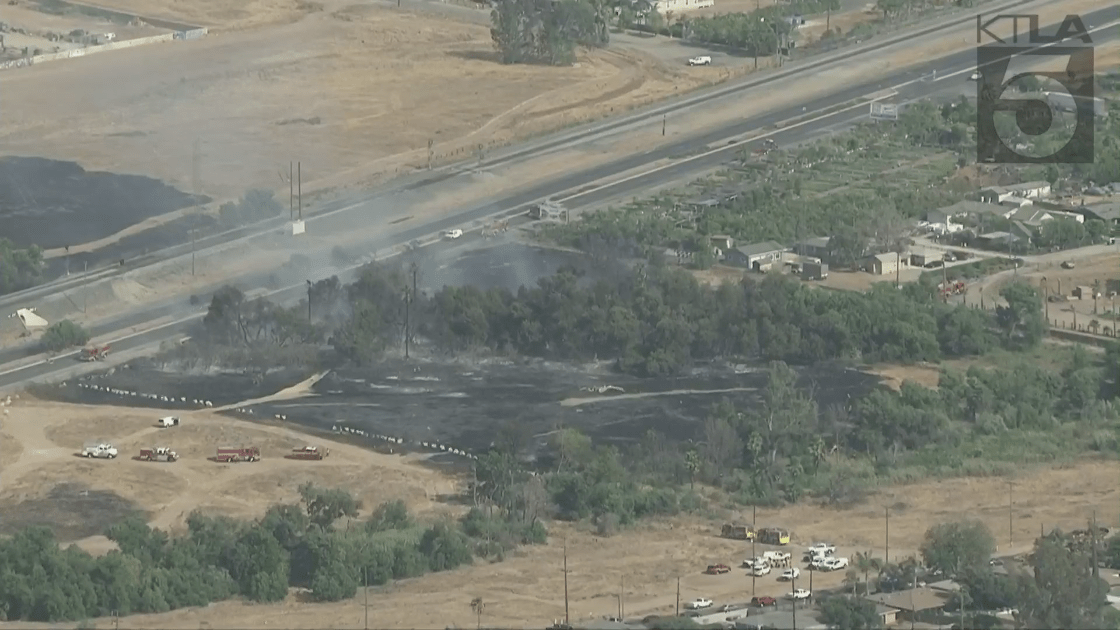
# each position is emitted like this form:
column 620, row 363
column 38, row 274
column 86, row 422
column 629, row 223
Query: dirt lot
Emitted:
column 367, row 86
column 522, row 591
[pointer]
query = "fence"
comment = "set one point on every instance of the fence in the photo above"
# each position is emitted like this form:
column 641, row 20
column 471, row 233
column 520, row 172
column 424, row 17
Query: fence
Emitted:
column 89, row 50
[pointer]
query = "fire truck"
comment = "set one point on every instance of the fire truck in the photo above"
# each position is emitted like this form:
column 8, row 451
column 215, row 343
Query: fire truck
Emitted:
column 94, row 353
column 231, row 454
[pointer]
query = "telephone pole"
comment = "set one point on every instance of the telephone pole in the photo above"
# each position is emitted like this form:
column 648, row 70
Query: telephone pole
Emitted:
column 887, row 538
column 299, row 189
column 1010, row 514
column 407, row 308
column 678, row 613
column 193, row 235
column 622, row 599
column 567, row 619
column 754, row 550
column 291, row 191
column 793, row 586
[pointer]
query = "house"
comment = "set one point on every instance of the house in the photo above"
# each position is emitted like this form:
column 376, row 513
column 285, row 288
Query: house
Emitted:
column 678, row 6
column 944, row 216
column 887, row 615
column 912, row 602
column 882, row 264
column 1062, row 214
column 814, row 248
column 722, row 241
column 1015, row 202
column 998, row 238
column 758, row 256
column 922, row 256
column 1030, row 216
column 1028, row 190
column 1109, row 212
column 807, row 619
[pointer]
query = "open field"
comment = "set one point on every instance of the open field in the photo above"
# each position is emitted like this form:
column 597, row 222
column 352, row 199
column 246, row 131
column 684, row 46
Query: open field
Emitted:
column 523, row 590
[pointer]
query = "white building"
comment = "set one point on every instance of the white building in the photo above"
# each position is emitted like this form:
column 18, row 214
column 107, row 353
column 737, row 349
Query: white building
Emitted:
column 681, row 6
column 1028, row 190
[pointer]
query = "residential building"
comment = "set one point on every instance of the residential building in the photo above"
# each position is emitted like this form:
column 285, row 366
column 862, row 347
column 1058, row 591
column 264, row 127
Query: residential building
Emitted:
column 1108, row 212
column 1028, row 190
column 998, row 238
column 912, row 603
column 807, row 619
column 757, row 256
column 1083, row 292
column 722, row 241
column 815, row 248
column 1030, row 216
column 945, row 216
column 1015, row 202
column 882, row 264
column 679, row 6
column 1062, row 214
column 922, row 256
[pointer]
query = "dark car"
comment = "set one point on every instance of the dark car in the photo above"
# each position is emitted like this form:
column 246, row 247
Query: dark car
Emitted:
column 763, row 601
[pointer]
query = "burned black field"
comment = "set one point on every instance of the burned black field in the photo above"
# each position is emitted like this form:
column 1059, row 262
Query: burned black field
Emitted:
column 465, row 405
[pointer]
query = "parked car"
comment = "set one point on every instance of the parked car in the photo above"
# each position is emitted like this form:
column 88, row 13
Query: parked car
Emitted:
column 452, row 234
column 800, row 593
column 698, row 603
column 702, row 60
column 790, row 574
column 834, row 564
column 762, row 602
column 717, row 569
column 1069, row 264
column 761, row 570
column 821, row 548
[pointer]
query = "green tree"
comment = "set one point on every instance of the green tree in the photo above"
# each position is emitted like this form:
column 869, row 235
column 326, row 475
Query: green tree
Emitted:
column 1022, row 319
column 19, row 268
column 1066, row 591
column 850, row 613
column 63, row 335
column 327, row 505
column 954, row 548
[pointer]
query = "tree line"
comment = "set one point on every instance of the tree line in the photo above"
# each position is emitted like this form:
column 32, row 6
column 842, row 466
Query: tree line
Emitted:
column 649, row 320
column 220, row 558
column 1058, row 586
column 19, row 268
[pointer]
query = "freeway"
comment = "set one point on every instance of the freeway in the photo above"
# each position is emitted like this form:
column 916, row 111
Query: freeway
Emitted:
column 555, row 141
column 841, row 109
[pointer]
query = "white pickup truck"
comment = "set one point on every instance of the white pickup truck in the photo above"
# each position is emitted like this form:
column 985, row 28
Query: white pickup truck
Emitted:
column 834, row 564
column 699, row 603
column 100, row 450
column 702, row 60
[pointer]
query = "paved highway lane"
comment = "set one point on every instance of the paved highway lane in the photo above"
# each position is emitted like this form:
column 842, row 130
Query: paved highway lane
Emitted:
column 908, row 84
column 554, row 141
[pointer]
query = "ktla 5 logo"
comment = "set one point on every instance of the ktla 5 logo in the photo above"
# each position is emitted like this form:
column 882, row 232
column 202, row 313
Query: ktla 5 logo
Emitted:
column 1035, row 101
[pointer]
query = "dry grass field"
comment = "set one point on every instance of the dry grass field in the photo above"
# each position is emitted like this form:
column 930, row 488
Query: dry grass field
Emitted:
column 522, row 591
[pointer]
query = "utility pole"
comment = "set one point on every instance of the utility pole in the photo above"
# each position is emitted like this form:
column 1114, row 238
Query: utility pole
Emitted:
column 1093, row 540
column 291, row 191
column 1010, row 514
column 898, row 269
column 961, row 593
column 308, row 301
column 196, row 176
column 431, row 153
column 828, row 20
column 793, row 586
column 754, row 550
column 622, row 599
column 567, row 619
column 664, row 121
column 365, row 581
column 299, row 189
column 67, row 260
column 678, row 613
column 1046, row 299
column 407, row 308
column 887, row 539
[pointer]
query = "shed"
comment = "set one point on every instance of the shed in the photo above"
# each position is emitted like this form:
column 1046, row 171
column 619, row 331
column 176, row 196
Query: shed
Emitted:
column 1084, row 293
column 912, row 601
column 758, row 256
column 922, row 256
column 814, row 270
column 882, row 264
column 817, row 247
column 722, row 241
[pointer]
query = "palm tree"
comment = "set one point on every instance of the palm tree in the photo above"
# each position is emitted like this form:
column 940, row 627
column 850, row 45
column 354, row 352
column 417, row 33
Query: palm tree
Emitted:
column 851, row 577
column 477, row 605
column 1094, row 326
column 865, row 564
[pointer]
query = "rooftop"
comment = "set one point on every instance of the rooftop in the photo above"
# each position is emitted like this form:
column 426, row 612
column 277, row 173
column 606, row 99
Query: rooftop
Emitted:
column 1029, row 215
column 911, row 600
column 783, row 620
column 819, row 241
column 1018, row 187
column 1109, row 211
column 971, row 207
column 765, row 247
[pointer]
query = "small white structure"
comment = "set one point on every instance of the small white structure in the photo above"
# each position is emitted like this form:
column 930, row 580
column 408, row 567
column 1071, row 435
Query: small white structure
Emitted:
column 1028, row 190
column 30, row 320
column 298, row 227
column 679, row 6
